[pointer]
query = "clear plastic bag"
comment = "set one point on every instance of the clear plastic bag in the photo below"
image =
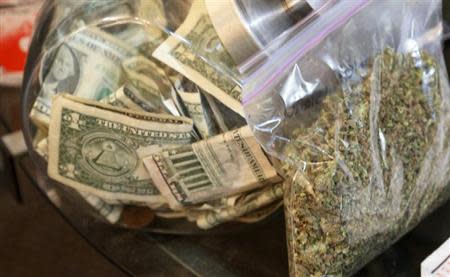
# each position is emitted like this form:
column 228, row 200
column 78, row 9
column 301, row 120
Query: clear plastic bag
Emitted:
column 356, row 104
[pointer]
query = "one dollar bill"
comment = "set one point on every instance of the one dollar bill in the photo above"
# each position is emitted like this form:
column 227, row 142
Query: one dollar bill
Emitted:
column 202, row 58
column 260, row 200
column 150, row 80
column 221, row 166
column 195, row 109
column 88, row 64
column 110, row 212
column 98, row 149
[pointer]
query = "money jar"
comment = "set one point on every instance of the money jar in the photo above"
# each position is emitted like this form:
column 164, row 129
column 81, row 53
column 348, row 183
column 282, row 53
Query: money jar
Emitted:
column 132, row 112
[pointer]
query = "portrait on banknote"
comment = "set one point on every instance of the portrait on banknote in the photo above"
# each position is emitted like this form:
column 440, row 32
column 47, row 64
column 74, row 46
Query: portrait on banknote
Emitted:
column 64, row 72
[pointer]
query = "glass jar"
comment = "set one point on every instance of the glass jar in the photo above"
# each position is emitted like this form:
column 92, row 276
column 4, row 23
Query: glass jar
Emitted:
column 117, row 53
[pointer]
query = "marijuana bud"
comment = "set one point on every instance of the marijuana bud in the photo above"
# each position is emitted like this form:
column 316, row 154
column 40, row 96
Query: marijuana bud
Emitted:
column 368, row 166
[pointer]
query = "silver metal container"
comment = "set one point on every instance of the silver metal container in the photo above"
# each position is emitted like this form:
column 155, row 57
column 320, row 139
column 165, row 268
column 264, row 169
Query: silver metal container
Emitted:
column 247, row 26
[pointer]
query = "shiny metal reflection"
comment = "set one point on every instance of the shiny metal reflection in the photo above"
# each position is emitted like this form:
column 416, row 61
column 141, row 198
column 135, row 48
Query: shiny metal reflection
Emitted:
column 246, row 26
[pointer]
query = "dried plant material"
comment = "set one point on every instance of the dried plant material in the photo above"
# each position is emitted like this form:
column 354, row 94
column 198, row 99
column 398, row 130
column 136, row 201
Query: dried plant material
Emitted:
column 366, row 165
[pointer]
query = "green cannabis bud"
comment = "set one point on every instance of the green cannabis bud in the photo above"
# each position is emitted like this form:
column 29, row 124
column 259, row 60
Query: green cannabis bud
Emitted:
column 367, row 164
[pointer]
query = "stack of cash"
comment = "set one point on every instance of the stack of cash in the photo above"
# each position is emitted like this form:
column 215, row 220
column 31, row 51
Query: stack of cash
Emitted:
column 135, row 114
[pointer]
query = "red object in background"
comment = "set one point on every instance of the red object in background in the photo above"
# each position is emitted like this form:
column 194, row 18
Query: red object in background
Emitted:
column 16, row 28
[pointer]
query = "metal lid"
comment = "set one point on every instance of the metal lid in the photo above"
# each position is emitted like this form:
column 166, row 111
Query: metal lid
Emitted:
column 246, row 26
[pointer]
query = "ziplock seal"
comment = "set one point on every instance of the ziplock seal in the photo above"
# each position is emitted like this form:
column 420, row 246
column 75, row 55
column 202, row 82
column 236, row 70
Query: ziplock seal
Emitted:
column 332, row 26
